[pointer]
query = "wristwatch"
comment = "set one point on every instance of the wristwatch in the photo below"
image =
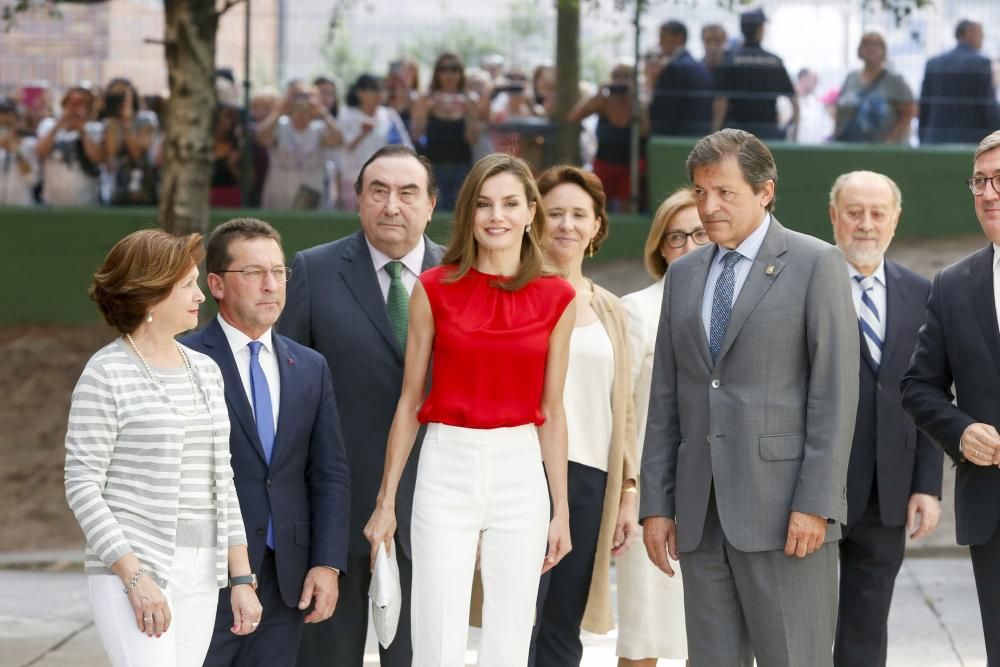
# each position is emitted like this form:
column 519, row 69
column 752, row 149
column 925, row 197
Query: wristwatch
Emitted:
column 244, row 579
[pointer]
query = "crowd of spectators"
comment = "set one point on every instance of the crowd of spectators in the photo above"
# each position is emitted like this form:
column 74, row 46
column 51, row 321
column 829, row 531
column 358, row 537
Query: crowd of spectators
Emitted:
column 307, row 142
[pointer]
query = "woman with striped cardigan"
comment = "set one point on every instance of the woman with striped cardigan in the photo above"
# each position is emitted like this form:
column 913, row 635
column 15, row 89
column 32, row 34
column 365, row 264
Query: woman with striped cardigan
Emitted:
column 147, row 465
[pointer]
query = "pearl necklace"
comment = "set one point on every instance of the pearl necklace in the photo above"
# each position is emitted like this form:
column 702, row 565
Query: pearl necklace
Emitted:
column 156, row 378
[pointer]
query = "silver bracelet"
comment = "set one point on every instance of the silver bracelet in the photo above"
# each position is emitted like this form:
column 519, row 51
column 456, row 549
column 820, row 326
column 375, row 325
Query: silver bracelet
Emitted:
column 130, row 586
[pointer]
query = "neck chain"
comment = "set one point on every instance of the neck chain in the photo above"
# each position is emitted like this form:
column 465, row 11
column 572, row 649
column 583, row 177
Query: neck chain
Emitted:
column 156, row 378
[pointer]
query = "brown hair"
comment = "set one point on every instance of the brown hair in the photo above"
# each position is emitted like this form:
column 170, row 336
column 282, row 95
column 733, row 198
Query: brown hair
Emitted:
column 681, row 199
column 463, row 248
column 752, row 155
column 139, row 272
column 217, row 257
column 435, row 77
column 586, row 181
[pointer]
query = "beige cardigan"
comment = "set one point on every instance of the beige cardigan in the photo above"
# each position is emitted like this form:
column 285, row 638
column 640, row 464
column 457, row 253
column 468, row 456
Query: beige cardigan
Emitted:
column 622, row 465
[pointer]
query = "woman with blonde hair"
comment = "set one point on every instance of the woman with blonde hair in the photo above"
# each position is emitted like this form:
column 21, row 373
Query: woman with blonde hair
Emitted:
column 601, row 422
column 147, row 465
column 492, row 328
column 651, row 604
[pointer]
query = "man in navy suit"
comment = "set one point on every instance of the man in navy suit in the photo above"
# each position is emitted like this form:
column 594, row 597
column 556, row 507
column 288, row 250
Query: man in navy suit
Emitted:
column 288, row 455
column 957, row 101
column 339, row 304
column 682, row 99
column 894, row 473
column 952, row 388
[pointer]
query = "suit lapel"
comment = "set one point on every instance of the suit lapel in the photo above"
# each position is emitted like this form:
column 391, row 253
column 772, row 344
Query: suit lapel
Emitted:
column 894, row 311
column 215, row 339
column 981, row 277
column 358, row 273
column 766, row 268
column 287, row 371
column 695, row 296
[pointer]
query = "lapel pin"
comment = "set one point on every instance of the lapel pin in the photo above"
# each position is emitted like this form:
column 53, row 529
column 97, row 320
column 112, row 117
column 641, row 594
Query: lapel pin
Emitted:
column 769, row 270
column 291, row 362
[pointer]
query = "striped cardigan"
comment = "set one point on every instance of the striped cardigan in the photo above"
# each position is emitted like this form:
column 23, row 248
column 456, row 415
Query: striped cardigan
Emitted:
column 123, row 461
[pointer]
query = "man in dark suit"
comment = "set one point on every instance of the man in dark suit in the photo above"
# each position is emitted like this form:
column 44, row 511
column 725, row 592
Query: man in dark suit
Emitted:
column 894, row 474
column 959, row 346
column 348, row 301
column 288, row 455
column 957, row 101
column 682, row 99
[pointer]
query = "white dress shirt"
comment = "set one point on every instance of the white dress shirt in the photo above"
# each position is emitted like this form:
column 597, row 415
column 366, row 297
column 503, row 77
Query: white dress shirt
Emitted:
column 748, row 249
column 413, row 263
column 996, row 280
column 238, row 342
column 878, row 293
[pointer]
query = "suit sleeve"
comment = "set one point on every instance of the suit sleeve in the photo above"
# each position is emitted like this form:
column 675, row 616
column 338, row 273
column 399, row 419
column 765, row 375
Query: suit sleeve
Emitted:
column 329, row 480
column 659, row 453
column 929, row 464
column 832, row 401
column 295, row 321
column 926, row 386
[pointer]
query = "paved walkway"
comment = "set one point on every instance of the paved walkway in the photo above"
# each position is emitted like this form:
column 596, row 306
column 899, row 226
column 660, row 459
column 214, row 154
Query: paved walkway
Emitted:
column 45, row 620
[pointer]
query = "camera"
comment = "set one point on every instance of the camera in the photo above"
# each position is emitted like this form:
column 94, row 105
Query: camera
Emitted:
column 113, row 103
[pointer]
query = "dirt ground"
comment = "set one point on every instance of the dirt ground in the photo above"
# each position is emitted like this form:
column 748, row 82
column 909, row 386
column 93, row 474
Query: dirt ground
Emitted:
column 44, row 362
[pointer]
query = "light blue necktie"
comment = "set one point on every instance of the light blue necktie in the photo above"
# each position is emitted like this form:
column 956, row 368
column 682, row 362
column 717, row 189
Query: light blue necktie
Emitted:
column 722, row 304
column 263, row 415
column 870, row 320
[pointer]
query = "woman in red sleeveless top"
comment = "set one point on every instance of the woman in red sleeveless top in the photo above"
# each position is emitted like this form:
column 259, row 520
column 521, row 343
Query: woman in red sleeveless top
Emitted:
column 496, row 327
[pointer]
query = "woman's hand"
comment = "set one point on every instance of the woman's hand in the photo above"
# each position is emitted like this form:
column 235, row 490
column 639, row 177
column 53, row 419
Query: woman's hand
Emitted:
column 559, row 541
column 152, row 611
column 246, row 609
column 380, row 528
column 627, row 524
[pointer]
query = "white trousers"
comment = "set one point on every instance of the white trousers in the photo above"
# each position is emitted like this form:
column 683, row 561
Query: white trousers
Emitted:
column 193, row 596
column 471, row 482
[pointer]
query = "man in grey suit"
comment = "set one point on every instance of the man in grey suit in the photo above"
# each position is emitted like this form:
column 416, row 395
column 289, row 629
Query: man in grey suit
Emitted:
column 751, row 415
column 348, row 301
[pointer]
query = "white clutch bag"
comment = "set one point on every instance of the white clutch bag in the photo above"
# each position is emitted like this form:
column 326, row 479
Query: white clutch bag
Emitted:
column 386, row 596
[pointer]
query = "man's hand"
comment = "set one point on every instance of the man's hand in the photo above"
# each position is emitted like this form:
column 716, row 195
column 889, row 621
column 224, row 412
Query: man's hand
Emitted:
column 806, row 533
column 928, row 508
column 981, row 445
column 323, row 585
column 659, row 534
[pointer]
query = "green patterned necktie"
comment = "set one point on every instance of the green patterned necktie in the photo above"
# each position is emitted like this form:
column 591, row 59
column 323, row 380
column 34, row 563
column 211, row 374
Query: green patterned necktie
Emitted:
column 398, row 303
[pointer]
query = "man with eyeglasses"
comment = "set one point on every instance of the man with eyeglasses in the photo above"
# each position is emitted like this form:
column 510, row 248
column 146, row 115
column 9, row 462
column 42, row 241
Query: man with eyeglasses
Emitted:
column 289, row 463
column 349, row 301
column 894, row 473
column 952, row 388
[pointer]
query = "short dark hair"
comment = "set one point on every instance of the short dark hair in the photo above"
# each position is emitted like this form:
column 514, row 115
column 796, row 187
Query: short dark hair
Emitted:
column 398, row 150
column 321, row 80
column 139, row 272
column 752, row 155
column 675, row 28
column 963, row 27
column 586, row 181
column 217, row 257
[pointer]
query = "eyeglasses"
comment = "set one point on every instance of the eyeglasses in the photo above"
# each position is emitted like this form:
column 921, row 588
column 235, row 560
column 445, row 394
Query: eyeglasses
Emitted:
column 978, row 184
column 255, row 274
column 680, row 239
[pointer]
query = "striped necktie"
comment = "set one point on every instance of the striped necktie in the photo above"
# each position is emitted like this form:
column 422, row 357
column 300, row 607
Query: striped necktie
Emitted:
column 872, row 328
column 722, row 303
column 398, row 302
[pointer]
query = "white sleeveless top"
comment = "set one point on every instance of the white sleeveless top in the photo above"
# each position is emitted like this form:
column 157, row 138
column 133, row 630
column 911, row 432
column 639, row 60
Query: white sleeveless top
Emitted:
column 587, row 396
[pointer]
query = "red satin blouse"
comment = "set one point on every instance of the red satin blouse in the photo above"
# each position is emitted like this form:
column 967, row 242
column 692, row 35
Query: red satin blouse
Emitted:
column 490, row 348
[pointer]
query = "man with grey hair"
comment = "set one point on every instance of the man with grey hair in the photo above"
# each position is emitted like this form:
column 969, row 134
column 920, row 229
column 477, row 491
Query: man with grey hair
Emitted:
column 952, row 388
column 894, row 475
column 751, row 415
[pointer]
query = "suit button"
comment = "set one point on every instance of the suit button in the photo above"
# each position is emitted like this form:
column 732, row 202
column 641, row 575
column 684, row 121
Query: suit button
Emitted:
column 716, row 384
column 261, row 532
column 878, row 386
column 268, row 483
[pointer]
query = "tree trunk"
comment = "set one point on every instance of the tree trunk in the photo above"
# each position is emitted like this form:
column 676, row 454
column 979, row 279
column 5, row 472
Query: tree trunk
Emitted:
column 189, row 47
column 568, row 78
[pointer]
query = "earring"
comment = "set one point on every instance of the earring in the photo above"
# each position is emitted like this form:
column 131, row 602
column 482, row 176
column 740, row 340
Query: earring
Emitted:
column 527, row 228
column 149, row 316
column 590, row 248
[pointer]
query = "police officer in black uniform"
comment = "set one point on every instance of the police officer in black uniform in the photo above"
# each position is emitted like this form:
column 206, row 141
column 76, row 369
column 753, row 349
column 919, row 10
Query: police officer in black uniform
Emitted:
column 748, row 84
